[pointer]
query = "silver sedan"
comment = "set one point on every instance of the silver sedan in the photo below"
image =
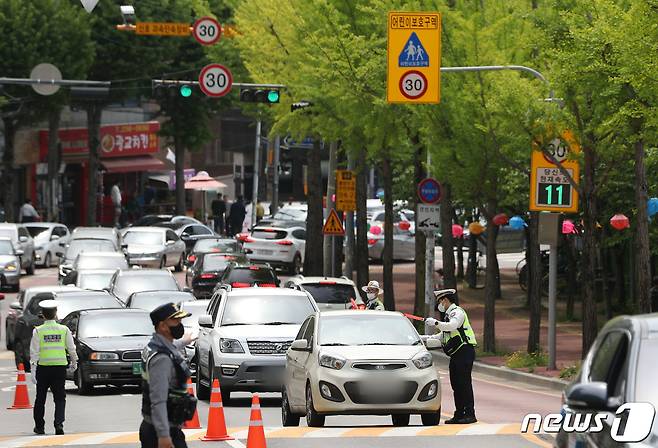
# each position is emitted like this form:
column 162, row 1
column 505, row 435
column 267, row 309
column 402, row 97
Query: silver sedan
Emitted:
column 154, row 247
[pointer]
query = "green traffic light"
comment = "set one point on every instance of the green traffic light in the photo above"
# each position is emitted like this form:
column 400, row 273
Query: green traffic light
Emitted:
column 273, row 96
column 185, row 91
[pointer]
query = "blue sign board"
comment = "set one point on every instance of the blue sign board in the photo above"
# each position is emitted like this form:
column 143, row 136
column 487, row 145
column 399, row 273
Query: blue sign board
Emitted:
column 413, row 54
column 429, row 191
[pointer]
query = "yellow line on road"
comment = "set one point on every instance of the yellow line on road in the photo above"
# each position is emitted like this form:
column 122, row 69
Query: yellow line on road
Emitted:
column 127, row 438
column 532, row 438
column 445, row 430
column 374, row 431
column 291, row 432
column 510, row 429
column 6, row 355
column 57, row 440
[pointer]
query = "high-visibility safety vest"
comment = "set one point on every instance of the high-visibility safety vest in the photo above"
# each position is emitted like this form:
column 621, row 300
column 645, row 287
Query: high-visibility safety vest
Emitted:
column 465, row 333
column 52, row 344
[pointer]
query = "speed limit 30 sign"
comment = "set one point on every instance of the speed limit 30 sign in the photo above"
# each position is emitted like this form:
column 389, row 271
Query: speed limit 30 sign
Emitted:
column 207, row 30
column 413, row 84
column 215, row 80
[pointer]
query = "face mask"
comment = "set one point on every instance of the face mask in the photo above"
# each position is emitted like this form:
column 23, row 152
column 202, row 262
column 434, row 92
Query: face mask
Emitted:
column 371, row 295
column 177, row 331
column 442, row 308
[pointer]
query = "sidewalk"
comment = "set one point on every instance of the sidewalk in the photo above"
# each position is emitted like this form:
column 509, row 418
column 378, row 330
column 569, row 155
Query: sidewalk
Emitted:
column 512, row 323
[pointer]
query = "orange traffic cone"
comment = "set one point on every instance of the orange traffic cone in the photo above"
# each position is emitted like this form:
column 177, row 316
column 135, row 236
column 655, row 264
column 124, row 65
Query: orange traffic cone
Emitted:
column 216, row 423
column 21, row 398
column 194, row 422
column 256, row 437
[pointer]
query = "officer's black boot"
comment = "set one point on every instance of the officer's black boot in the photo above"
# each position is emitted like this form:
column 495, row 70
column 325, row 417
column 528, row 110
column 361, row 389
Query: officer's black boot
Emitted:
column 59, row 430
column 456, row 418
column 39, row 430
column 468, row 417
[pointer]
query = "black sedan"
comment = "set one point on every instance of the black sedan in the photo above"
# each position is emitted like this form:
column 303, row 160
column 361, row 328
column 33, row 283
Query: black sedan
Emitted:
column 150, row 300
column 109, row 343
column 239, row 275
column 213, row 245
column 190, row 233
column 204, row 274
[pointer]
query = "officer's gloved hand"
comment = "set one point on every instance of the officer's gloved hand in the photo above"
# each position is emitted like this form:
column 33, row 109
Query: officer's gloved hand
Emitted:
column 33, row 373
column 430, row 321
column 72, row 367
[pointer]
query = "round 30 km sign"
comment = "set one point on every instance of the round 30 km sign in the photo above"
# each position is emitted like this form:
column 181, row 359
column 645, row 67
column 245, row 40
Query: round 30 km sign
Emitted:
column 413, row 84
column 207, row 30
column 215, row 80
column 429, row 191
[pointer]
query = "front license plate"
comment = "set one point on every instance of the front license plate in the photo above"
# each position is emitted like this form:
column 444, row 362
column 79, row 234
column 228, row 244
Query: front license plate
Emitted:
column 137, row 368
column 375, row 389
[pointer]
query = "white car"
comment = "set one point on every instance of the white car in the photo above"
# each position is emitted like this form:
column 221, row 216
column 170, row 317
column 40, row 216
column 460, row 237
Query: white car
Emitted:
column 94, row 260
column 280, row 244
column 360, row 362
column 404, row 242
column 154, row 247
column 23, row 243
column 47, row 238
column 94, row 279
column 244, row 337
column 330, row 293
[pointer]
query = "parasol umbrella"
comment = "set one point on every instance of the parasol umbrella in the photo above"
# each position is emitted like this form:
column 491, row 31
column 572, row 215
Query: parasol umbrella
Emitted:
column 203, row 182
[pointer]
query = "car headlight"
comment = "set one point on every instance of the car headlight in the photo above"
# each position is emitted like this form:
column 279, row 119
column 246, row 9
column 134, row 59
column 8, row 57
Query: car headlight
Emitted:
column 423, row 360
column 230, row 346
column 103, row 356
column 11, row 266
column 332, row 362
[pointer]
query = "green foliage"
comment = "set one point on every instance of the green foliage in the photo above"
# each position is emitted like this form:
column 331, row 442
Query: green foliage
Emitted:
column 570, row 372
column 523, row 360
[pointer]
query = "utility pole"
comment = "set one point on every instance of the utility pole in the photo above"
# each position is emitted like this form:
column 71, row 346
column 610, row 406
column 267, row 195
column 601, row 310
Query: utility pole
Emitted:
column 348, row 268
column 328, row 265
column 274, row 206
column 254, row 194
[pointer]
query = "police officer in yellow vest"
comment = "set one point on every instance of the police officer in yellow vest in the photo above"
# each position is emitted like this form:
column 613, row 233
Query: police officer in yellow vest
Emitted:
column 458, row 340
column 51, row 349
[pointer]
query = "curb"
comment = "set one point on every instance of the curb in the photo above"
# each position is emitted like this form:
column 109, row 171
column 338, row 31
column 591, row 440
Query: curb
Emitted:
column 507, row 373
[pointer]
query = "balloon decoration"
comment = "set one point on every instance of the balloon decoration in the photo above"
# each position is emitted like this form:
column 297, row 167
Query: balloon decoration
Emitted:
column 380, row 194
column 476, row 228
column 568, row 227
column 517, row 223
column 404, row 226
column 652, row 206
column 457, row 231
column 500, row 219
column 375, row 230
column 620, row 221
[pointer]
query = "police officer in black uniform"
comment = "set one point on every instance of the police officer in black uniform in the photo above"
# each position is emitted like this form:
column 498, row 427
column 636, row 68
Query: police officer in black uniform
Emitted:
column 166, row 405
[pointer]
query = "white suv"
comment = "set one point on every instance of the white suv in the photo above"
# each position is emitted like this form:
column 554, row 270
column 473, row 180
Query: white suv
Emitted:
column 244, row 337
column 280, row 244
column 330, row 293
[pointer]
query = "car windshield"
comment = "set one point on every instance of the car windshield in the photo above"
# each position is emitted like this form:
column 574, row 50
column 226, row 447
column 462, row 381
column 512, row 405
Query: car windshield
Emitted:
column 100, row 262
column 115, row 324
column 130, row 284
column 289, row 213
column 6, row 247
column 209, row 245
column 94, row 280
column 197, row 309
column 147, row 238
column 148, row 302
column 66, row 305
column 251, row 275
column 78, row 246
column 215, row 262
column 36, row 230
column 250, row 310
column 7, row 233
column 269, row 234
column 365, row 329
column 330, row 293
column 645, row 386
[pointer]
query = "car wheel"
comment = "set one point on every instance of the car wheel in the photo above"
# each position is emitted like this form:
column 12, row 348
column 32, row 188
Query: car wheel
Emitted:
column 313, row 419
column 431, row 419
column 400, row 419
column 202, row 392
column 296, row 265
column 30, row 269
column 47, row 260
column 84, row 388
column 179, row 267
column 163, row 262
column 287, row 417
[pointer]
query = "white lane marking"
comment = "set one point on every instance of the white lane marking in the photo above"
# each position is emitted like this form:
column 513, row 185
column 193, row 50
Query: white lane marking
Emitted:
column 326, row 432
column 235, row 443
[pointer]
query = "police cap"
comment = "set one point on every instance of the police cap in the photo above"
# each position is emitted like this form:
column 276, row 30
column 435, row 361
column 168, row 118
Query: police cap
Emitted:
column 48, row 304
column 167, row 311
column 448, row 293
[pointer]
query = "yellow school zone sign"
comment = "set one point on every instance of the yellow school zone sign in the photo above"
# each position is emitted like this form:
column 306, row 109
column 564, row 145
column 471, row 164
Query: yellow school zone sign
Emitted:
column 414, row 58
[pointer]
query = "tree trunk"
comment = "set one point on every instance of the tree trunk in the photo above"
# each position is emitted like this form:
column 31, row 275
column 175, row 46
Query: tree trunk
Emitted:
column 328, row 241
column 490, row 287
column 572, row 275
column 642, row 254
column 620, row 277
column 387, row 256
column 312, row 260
column 590, row 326
column 460, row 255
column 535, row 274
column 420, row 241
column 8, row 170
column 471, row 271
column 179, row 148
column 94, row 115
column 447, row 242
column 361, row 253
column 53, row 166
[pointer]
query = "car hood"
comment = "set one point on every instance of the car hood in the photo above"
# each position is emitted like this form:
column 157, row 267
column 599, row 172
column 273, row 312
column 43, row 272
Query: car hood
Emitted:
column 261, row 331
column 116, row 343
column 374, row 352
column 144, row 248
column 6, row 259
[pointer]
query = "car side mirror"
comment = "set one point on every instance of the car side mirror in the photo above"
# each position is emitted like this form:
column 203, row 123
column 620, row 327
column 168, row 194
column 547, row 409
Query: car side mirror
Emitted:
column 15, row 306
column 590, row 396
column 300, row 345
column 54, row 237
column 124, row 247
column 20, row 252
column 59, row 254
column 205, row 321
column 22, row 239
column 432, row 343
column 170, row 242
column 188, row 289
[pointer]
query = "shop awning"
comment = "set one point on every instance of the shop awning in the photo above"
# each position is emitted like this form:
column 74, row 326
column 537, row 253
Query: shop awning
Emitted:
column 133, row 164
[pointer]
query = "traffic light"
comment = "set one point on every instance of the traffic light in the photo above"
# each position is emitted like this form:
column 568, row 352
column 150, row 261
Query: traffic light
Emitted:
column 172, row 89
column 259, row 95
column 185, row 90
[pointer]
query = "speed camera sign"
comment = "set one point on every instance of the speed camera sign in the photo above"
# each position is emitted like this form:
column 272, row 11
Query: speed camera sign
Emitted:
column 215, row 80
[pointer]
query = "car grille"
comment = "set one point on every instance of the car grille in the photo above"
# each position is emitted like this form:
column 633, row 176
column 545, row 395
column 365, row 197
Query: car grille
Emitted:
column 378, row 366
column 268, row 347
column 393, row 393
column 131, row 356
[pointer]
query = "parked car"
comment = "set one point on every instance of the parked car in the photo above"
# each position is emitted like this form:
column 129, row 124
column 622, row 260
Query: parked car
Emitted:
column 281, row 244
column 76, row 246
column 124, row 282
column 150, row 300
column 16, row 308
column 404, row 241
column 95, row 260
column 330, row 293
column 245, row 275
column 109, row 343
column 67, row 302
column 188, row 232
column 10, row 265
column 47, row 238
column 23, row 243
column 149, row 220
column 244, row 337
column 346, row 362
column 213, row 245
column 94, row 279
column 619, row 368
column 98, row 233
column 292, row 212
column 206, row 271
column 154, row 247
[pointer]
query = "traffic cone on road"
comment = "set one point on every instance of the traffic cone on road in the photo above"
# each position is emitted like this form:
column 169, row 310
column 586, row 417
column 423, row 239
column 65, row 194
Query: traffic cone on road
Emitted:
column 256, row 437
column 194, row 422
column 216, row 422
column 21, row 398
